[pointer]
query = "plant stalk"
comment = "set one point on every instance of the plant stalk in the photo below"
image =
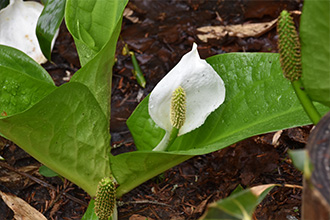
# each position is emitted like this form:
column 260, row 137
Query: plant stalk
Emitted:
column 305, row 101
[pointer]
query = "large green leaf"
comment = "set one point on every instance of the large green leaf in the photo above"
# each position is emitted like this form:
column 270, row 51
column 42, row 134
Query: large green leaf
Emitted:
column 101, row 21
column 91, row 24
column 23, row 81
column 258, row 100
column 19, row 61
column 66, row 128
column 48, row 24
column 67, row 131
column 133, row 168
column 20, row 91
column 315, row 49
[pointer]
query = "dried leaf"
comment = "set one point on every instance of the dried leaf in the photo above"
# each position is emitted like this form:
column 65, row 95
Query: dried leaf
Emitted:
column 21, row 209
column 237, row 30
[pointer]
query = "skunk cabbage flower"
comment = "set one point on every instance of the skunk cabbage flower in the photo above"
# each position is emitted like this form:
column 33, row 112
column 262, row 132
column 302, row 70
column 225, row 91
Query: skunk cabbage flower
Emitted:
column 185, row 97
column 18, row 23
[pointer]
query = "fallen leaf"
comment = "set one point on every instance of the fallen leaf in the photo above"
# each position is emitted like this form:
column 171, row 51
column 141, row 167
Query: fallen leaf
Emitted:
column 257, row 190
column 237, row 30
column 22, row 210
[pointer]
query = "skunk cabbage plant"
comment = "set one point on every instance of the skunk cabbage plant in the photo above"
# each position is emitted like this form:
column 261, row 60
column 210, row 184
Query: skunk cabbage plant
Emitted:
column 204, row 92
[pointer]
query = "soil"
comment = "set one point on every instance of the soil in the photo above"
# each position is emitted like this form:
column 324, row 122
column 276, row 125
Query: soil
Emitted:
column 160, row 32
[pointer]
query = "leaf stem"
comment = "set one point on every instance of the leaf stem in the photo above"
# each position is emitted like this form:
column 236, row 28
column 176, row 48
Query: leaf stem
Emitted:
column 305, row 101
column 167, row 140
column 173, row 136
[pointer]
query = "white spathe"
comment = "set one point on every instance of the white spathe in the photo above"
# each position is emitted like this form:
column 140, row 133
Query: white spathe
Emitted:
column 205, row 92
column 18, row 23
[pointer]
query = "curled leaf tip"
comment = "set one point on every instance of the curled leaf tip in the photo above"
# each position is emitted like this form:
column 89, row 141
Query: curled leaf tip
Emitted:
column 105, row 199
column 178, row 108
column 289, row 47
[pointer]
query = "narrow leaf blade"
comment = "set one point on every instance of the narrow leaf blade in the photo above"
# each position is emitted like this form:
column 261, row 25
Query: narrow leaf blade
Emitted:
column 48, row 24
column 240, row 205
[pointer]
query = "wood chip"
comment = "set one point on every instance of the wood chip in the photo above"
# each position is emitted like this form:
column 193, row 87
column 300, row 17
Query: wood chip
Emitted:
column 22, row 210
column 237, row 30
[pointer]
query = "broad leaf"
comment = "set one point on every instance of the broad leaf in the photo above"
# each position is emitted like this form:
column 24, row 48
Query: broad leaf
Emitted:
column 48, row 24
column 20, row 91
column 258, row 100
column 67, row 128
column 95, row 26
column 134, row 168
column 19, row 61
column 67, row 131
column 315, row 49
column 91, row 24
column 239, row 205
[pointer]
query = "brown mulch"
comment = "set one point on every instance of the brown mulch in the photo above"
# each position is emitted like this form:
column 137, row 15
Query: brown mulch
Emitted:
column 162, row 33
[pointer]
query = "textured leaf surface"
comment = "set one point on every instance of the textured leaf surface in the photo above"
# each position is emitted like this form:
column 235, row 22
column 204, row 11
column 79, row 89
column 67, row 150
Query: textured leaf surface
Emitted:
column 67, row 128
column 101, row 22
column 67, row 131
column 258, row 100
column 19, row 61
column 133, row 168
column 23, row 81
column 20, row 91
column 315, row 49
column 239, row 205
column 48, row 24
column 92, row 23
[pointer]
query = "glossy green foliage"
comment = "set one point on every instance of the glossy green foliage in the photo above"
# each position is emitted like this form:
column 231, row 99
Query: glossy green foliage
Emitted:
column 48, row 24
column 134, row 168
column 66, row 131
column 137, row 72
column 23, row 82
column 315, row 49
column 45, row 171
column 258, row 100
column 17, row 60
column 65, row 128
column 239, row 205
column 91, row 24
column 95, row 27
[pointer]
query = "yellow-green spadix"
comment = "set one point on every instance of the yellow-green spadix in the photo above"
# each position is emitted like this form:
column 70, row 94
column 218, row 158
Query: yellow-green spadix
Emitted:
column 204, row 92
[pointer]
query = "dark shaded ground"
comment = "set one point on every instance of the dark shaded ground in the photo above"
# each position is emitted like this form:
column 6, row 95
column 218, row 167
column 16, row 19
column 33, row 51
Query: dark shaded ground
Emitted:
column 161, row 33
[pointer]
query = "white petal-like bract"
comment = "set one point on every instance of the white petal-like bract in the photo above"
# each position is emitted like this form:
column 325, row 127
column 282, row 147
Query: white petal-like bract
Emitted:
column 18, row 23
column 205, row 92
